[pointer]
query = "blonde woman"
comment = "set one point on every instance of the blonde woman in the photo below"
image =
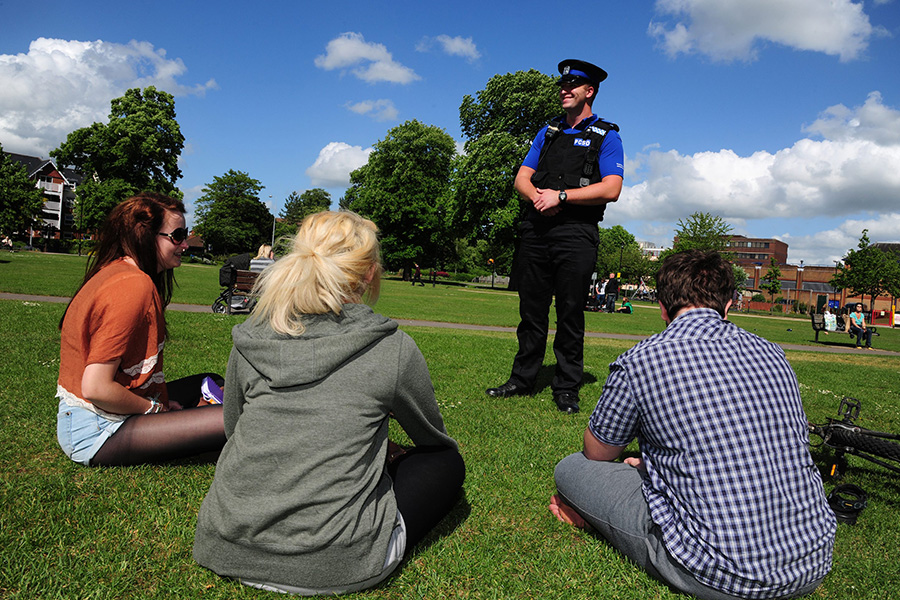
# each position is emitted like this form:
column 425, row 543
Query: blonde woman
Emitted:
column 309, row 496
column 264, row 257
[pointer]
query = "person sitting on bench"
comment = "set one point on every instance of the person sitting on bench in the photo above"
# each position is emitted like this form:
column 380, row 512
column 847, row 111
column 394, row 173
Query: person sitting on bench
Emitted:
column 858, row 327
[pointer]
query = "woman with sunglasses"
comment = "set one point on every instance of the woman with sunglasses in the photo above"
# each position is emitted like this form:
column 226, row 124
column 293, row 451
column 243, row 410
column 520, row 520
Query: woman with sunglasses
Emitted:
column 115, row 406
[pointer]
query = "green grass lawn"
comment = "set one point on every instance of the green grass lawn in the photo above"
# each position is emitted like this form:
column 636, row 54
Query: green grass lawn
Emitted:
column 71, row 532
column 60, row 275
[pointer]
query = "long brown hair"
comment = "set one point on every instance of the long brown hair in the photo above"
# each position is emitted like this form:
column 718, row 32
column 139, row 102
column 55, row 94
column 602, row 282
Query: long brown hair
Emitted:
column 131, row 230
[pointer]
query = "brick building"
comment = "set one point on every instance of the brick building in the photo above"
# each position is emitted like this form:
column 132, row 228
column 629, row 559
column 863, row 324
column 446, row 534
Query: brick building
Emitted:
column 749, row 251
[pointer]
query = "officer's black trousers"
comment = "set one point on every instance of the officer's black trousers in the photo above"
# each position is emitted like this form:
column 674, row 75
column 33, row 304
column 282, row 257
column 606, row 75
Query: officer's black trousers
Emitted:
column 557, row 262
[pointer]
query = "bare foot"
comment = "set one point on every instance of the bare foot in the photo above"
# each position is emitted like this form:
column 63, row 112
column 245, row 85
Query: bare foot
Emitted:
column 566, row 513
column 634, row 461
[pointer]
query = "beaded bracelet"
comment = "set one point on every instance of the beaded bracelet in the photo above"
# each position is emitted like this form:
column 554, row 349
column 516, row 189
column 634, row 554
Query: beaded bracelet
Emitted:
column 155, row 407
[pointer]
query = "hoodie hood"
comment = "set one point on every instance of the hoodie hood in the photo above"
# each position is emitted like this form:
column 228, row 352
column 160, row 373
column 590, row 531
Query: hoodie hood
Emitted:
column 328, row 342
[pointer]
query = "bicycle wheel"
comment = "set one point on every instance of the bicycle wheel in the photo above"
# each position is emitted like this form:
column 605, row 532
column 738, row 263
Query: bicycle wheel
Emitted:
column 873, row 445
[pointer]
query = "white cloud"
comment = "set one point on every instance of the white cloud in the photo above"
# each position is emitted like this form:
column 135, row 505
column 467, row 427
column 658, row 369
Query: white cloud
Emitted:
column 846, row 172
column 368, row 61
column 61, row 85
column 825, row 247
column 855, row 168
column 335, row 162
column 380, row 110
column 873, row 121
column 733, row 29
column 454, row 46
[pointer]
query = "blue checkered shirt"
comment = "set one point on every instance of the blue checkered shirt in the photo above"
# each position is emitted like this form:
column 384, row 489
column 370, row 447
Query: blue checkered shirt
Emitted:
column 730, row 481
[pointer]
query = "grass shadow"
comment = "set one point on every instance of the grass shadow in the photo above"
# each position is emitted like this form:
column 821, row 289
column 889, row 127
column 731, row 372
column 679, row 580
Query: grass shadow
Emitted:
column 454, row 519
column 545, row 377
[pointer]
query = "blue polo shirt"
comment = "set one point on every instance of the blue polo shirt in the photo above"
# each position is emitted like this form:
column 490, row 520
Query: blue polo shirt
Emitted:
column 611, row 160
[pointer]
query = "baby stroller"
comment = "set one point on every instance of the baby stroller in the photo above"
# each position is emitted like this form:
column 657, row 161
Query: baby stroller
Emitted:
column 236, row 295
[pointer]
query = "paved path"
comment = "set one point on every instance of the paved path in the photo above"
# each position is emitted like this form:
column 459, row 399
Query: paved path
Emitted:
column 414, row 323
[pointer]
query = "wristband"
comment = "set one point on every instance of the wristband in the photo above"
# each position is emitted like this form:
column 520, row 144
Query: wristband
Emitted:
column 155, row 407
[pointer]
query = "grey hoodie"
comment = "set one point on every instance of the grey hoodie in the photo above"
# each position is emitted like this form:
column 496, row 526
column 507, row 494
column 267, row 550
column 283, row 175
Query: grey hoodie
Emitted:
column 300, row 496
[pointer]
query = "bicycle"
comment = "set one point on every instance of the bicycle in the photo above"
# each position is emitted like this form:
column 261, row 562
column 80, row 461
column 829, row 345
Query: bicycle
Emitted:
column 240, row 302
column 845, row 437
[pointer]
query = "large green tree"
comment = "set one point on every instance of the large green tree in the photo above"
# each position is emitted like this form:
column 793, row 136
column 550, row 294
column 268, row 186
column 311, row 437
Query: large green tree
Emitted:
column 499, row 124
column 138, row 149
column 618, row 252
column 706, row 232
column 868, row 270
column 298, row 206
column 230, row 216
column 20, row 201
column 404, row 189
column 702, row 231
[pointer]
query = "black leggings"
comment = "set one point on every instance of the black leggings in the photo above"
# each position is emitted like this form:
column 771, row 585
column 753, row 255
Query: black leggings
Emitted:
column 170, row 435
column 427, row 482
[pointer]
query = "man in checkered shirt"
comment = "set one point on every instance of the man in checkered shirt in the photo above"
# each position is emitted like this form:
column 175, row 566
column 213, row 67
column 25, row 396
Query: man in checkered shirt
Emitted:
column 724, row 500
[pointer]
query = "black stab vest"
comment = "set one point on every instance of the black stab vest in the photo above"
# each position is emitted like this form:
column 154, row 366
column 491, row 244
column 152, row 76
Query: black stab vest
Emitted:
column 570, row 161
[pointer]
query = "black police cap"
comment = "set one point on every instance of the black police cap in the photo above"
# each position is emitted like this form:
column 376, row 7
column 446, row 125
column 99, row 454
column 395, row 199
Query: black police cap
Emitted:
column 573, row 71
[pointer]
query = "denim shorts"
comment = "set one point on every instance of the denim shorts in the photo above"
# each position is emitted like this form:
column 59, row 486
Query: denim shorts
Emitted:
column 81, row 432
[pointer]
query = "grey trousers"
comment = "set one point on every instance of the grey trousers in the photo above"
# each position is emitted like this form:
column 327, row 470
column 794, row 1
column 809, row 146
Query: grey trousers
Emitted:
column 608, row 495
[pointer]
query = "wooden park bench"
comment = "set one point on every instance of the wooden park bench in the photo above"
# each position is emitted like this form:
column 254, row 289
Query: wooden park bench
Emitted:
column 818, row 324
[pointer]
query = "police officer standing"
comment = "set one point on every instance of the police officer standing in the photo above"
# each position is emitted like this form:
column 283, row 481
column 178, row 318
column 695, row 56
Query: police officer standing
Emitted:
column 573, row 169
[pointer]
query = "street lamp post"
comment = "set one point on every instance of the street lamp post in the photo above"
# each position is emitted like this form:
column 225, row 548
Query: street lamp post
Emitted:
column 621, row 250
column 272, row 206
column 834, row 287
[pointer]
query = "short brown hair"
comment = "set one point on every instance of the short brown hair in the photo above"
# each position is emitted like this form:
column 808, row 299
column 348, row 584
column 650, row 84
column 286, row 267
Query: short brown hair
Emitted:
column 695, row 278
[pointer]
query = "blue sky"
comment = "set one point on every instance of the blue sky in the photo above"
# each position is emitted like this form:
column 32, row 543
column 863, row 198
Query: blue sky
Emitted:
column 780, row 116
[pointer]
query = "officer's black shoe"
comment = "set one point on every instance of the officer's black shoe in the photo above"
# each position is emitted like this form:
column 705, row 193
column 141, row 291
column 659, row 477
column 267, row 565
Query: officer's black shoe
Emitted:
column 566, row 402
column 508, row 389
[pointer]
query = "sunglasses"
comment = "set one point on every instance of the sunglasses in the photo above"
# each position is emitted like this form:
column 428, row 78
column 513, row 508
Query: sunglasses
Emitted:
column 177, row 236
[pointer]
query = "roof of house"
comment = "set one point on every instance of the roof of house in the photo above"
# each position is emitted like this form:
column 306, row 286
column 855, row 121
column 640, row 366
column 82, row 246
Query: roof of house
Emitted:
column 889, row 247
column 34, row 165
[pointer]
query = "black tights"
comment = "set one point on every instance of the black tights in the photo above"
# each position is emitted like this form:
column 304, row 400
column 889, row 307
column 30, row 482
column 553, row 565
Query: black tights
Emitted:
column 427, row 482
column 169, row 435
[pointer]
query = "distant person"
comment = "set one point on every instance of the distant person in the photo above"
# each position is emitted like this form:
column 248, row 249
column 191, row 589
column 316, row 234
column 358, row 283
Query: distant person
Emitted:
column 724, row 500
column 612, row 292
column 417, row 275
column 626, row 307
column 601, row 295
column 829, row 318
column 573, row 169
column 264, row 257
column 593, row 297
column 310, row 496
column 859, row 329
column 115, row 405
